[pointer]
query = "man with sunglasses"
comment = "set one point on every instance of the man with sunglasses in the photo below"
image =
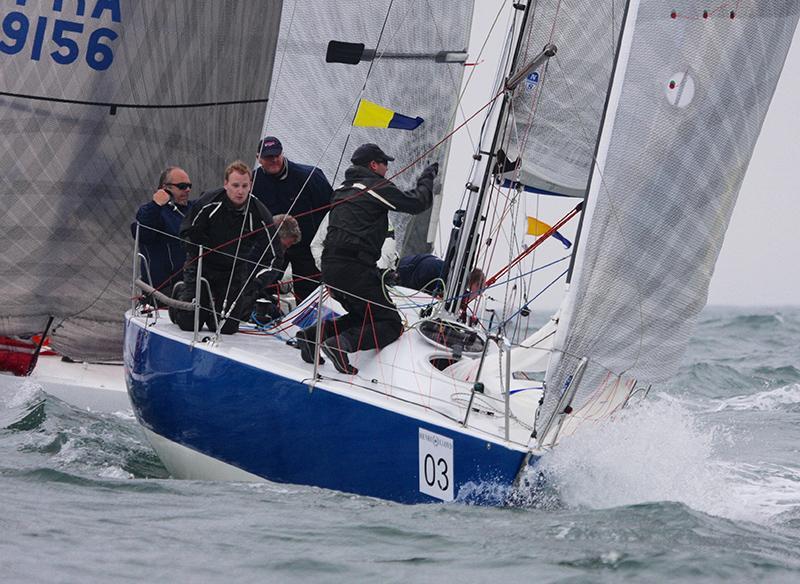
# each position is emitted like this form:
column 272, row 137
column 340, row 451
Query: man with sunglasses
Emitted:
column 358, row 222
column 302, row 191
column 160, row 221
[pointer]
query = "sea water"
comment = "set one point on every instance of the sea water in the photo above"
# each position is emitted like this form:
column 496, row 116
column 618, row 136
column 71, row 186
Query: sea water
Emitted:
column 699, row 482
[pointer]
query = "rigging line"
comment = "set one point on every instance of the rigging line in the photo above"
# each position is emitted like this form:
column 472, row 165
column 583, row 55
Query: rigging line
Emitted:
column 518, row 170
column 366, row 79
column 614, row 213
column 555, row 21
column 507, row 128
column 379, row 184
column 125, row 260
column 532, row 116
column 115, row 105
column 462, row 93
column 512, row 202
column 236, row 256
column 527, row 304
column 561, row 222
column 501, row 67
column 509, row 280
column 280, row 65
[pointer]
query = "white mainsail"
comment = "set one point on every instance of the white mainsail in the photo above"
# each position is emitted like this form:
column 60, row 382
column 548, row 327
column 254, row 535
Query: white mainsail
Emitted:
column 692, row 87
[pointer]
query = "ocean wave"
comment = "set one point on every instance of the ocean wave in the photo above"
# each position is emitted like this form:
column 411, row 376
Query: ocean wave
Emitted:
column 782, row 398
column 45, row 431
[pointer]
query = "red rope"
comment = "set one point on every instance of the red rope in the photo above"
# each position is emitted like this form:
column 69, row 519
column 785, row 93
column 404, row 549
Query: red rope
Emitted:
column 535, row 244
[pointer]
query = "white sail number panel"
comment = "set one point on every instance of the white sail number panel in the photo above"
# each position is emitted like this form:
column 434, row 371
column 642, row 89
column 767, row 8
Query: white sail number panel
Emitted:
column 435, row 465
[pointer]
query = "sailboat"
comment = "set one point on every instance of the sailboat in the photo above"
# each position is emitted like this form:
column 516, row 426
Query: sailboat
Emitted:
column 642, row 115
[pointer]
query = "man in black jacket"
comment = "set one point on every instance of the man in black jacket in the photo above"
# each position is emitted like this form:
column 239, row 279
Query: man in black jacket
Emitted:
column 357, row 226
column 285, row 186
column 238, row 228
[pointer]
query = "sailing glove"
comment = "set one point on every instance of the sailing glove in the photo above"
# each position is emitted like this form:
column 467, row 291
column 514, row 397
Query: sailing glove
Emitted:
column 432, row 169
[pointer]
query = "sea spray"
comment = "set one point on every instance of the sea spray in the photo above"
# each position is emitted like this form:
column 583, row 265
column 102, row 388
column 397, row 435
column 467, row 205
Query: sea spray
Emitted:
column 654, row 452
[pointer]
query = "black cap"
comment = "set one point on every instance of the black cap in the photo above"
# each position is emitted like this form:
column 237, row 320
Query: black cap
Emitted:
column 270, row 146
column 366, row 153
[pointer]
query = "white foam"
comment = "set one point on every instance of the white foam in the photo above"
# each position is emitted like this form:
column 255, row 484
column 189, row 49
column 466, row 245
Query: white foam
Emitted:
column 764, row 400
column 661, row 451
column 19, row 391
column 114, row 472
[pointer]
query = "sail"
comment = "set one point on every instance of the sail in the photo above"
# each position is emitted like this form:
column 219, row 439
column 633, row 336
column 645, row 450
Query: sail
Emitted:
column 557, row 108
column 75, row 173
column 412, row 63
column 691, row 89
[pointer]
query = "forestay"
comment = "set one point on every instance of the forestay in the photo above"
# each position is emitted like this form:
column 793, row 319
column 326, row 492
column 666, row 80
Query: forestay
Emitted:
column 691, row 90
column 313, row 102
column 74, row 174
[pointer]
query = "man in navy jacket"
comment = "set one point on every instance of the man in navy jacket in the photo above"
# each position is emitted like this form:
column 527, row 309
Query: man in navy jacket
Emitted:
column 161, row 225
column 302, row 191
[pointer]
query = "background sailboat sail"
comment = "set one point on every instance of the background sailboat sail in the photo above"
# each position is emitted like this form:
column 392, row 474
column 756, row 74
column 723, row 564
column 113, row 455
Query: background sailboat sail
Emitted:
column 690, row 94
column 419, row 52
column 557, row 108
column 74, row 174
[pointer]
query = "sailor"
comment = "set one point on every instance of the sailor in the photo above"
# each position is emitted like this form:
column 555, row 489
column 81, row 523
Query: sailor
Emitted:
column 424, row 272
column 289, row 233
column 427, row 273
column 285, row 186
column 239, row 241
column 356, row 230
column 160, row 221
column 387, row 261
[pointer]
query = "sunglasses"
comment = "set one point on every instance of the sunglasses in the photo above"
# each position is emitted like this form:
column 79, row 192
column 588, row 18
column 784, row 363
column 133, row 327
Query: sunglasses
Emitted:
column 181, row 186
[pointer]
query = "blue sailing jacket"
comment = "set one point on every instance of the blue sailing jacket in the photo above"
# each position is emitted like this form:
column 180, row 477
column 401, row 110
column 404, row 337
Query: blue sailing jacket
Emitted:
column 165, row 255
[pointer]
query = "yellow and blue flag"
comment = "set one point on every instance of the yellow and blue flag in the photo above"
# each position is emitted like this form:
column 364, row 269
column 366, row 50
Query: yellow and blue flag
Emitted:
column 537, row 228
column 372, row 115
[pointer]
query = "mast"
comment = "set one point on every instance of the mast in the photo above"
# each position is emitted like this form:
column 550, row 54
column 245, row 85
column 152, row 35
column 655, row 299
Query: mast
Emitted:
column 465, row 237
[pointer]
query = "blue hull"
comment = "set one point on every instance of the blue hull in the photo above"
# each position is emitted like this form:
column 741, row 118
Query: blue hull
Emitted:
column 273, row 427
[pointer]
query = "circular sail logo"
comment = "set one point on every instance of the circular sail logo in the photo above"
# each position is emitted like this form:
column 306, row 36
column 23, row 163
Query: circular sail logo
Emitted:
column 680, row 89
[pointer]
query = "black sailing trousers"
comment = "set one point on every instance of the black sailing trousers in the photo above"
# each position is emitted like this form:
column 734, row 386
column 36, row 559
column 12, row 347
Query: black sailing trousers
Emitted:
column 372, row 321
column 304, row 270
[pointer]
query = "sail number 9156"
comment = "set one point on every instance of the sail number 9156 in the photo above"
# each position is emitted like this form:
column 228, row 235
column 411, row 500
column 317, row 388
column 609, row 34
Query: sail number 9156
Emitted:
column 65, row 36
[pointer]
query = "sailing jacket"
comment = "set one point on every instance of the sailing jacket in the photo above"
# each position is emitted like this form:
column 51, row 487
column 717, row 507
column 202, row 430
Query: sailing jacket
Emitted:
column 422, row 272
column 278, row 192
column 359, row 220
column 165, row 253
column 214, row 221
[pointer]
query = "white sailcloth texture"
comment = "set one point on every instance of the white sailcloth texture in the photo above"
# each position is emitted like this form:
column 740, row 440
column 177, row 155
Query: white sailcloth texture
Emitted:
column 420, row 49
column 687, row 106
column 74, row 174
column 557, row 108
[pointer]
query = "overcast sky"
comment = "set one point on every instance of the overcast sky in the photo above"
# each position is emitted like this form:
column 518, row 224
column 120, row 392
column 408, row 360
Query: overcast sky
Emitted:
column 759, row 263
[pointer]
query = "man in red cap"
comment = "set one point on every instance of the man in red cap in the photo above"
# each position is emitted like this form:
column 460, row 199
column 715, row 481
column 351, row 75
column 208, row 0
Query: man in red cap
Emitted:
column 286, row 187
